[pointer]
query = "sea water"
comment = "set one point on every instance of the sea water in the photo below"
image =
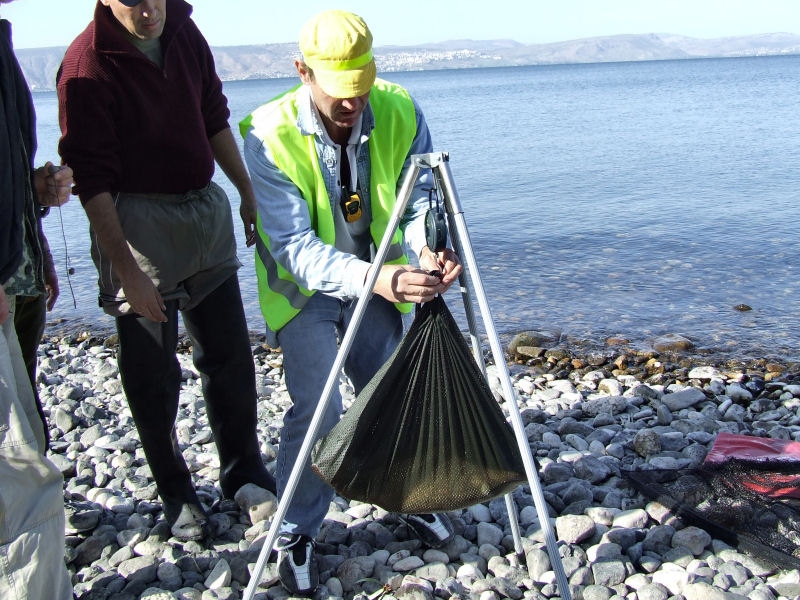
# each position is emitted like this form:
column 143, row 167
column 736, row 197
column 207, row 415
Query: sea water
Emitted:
column 613, row 199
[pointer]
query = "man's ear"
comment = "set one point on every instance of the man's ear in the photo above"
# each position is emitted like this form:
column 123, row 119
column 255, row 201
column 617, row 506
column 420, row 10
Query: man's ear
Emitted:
column 303, row 71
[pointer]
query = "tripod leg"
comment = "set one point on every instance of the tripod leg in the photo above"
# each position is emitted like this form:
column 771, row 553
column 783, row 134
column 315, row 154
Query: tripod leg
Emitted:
column 478, row 353
column 333, row 380
column 456, row 217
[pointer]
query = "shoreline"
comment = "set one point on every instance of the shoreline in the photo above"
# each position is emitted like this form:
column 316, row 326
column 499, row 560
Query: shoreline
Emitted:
column 536, row 347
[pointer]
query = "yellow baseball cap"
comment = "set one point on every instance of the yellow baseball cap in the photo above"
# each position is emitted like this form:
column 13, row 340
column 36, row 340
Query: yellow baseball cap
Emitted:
column 337, row 46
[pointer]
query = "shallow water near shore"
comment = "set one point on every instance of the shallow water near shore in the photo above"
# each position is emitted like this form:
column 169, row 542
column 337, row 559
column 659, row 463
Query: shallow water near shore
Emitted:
column 621, row 199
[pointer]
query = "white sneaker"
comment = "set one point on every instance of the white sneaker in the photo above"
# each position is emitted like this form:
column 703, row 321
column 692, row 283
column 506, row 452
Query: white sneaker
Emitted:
column 297, row 563
column 435, row 530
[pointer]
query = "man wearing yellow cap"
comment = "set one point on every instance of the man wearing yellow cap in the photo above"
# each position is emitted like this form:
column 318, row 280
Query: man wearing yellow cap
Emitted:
column 326, row 159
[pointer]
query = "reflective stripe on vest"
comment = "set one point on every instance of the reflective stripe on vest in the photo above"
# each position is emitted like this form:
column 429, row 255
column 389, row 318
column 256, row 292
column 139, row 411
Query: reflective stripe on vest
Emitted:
column 275, row 123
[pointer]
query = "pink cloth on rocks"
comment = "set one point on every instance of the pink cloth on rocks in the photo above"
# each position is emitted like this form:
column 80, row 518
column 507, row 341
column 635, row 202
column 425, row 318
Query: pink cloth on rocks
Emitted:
column 782, row 453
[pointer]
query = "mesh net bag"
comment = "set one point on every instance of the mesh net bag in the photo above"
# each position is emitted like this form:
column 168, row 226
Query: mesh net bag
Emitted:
column 746, row 493
column 426, row 434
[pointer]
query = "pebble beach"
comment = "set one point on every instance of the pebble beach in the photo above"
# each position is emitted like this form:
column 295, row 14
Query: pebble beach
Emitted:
column 588, row 416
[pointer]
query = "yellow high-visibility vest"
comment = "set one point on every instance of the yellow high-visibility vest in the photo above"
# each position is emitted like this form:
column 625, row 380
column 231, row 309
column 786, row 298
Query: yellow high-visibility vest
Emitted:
column 281, row 298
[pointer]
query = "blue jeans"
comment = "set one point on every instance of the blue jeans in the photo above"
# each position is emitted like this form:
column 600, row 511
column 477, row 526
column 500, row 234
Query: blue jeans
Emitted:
column 310, row 343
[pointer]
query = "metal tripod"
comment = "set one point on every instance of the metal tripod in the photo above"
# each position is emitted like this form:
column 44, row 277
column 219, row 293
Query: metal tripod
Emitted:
column 439, row 165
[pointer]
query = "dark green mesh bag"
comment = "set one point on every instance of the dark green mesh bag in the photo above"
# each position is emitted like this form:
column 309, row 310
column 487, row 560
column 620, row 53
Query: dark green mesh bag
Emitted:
column 426, row 434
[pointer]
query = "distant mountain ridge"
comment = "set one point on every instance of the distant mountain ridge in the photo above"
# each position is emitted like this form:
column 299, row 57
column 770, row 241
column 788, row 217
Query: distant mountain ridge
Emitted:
column 267, row 61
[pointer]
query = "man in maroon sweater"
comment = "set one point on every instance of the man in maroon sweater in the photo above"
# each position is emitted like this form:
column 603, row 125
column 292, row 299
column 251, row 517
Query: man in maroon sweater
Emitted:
column 143, row 118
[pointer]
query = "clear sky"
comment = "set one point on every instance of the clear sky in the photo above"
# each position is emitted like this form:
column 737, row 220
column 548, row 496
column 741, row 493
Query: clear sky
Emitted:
column 41, row 23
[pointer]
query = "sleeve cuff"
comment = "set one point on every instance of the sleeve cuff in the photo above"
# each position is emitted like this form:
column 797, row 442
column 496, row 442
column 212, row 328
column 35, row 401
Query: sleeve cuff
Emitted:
column 415, row 236
column 355, row 276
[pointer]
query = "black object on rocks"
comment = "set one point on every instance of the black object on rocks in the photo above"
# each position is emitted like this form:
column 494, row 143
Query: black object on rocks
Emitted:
column 426, row 434
column 746, row 493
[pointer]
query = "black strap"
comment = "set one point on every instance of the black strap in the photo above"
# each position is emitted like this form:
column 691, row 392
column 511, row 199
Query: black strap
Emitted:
column 344, row 169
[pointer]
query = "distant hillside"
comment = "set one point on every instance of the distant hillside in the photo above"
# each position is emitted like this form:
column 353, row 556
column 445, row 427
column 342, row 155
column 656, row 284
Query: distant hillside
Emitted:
column 276, row 60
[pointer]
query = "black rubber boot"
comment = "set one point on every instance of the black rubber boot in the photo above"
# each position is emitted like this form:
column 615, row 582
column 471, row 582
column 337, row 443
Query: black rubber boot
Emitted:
column 29, row 321
column 223, row 356
column 151, row 378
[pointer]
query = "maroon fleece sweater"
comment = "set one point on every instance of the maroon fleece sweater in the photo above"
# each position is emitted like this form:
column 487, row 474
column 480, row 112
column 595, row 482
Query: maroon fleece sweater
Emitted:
column 128, row 125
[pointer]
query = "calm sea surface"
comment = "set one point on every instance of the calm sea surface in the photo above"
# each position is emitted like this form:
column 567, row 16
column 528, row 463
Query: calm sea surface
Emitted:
column 632, row 199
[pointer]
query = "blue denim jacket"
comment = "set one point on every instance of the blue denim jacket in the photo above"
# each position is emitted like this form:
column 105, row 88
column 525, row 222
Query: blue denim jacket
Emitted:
column 284, row 213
